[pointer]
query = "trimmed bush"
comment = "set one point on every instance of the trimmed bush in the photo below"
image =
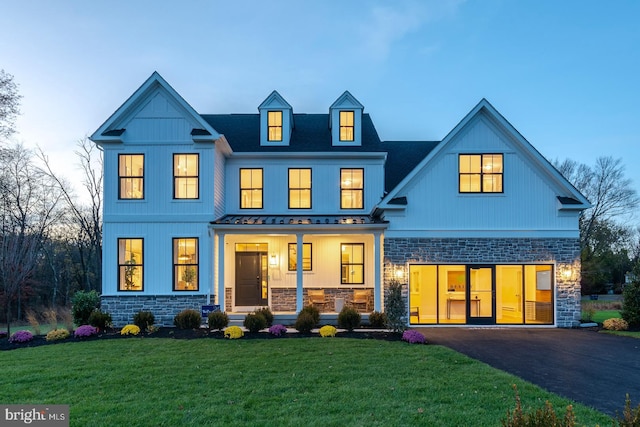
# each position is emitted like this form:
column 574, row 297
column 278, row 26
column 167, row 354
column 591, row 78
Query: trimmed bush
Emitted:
column 314, row 312
column 377, row 319
column 188, row 319
column 615, row 324
column 305, row 322
column 57, row 334
column 218, row 320
column 349, row 318
column 130, row 330
column 328, row 331
column 233, row 332
column 254, row 322
column 267, row 314
column 630, row 416
column 100, row 320
column 21, row 337
column 395, row 307
column 631, row 303
column 144, row 320
column 83, row 304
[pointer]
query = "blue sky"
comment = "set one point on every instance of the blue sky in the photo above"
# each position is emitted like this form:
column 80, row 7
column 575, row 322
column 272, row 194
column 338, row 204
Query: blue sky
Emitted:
column 565, row 73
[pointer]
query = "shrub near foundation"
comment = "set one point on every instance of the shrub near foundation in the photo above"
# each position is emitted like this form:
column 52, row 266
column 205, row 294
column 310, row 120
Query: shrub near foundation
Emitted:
column 188, row 319
column 314, row 312
column 254, row 322
column 305, row 322
column 218, row 320
column 349, row 318
column 57, row 335
column 144, row 320
column 267, row 314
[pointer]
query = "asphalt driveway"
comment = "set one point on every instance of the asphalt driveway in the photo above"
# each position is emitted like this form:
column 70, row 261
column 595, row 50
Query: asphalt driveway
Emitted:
column 592, row 368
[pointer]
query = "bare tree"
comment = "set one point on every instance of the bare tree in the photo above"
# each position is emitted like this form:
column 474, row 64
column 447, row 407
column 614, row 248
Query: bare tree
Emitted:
column 611, row 195
column 87, row 220
column 9, row 104
column 29, row 207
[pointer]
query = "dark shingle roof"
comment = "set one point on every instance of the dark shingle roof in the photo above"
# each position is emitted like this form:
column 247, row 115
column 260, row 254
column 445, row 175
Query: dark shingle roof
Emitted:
column 311, row 133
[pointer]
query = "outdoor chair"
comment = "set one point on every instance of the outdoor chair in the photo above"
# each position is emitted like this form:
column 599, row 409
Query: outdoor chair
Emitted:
column 317, row 298
column 361, row 298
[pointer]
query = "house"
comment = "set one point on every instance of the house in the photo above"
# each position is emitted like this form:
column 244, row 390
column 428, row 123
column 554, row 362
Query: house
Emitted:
column 267, row 209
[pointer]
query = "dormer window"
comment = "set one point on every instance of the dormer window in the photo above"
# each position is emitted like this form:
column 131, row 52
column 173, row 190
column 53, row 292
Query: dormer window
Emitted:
column 345, row 121
column 346, row 125
column 274, row 126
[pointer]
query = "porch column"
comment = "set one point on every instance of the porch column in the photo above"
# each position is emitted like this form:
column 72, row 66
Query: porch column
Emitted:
column 220, row 258
column 377, row 276
column 299, row 278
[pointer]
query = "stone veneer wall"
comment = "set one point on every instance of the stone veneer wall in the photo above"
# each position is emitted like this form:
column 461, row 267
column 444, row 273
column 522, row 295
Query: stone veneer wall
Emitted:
column 399, row 252
column 284, row 299
column 164, row 307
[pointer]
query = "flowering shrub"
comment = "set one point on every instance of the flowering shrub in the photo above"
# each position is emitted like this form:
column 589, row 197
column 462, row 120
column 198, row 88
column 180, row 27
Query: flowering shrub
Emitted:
column 615, row 324
column 278, row 330
column 328, row 331
column 3, row 334
column 130, row 330
column 85, row 331
column 21, row 336
column 413, row 337
column 57, row 334
column 233, row 332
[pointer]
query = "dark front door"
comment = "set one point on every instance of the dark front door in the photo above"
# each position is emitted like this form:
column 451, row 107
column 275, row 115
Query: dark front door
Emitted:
column 251, row 278
column 481, row 295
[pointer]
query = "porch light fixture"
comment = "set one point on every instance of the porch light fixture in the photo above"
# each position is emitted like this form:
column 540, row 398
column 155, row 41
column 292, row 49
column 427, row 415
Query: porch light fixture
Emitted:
column 399, row 273
column 566, row 271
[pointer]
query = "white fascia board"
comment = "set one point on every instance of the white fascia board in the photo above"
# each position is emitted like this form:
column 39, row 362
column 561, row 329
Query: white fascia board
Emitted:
column 381, row 155
column 299, row 228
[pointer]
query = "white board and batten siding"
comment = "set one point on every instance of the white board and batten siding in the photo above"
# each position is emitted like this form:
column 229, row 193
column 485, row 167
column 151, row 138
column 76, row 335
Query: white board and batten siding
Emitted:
column 325, row 177
column 528, row 206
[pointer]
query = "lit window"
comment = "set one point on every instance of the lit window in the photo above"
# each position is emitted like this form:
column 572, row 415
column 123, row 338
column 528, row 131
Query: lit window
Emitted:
column 346, row 125
column 352, row 263
column 251, row 188
column 480, row 173
column 185, row 264
column 299, row 188
column 351, row 188
column 131, row 176
column 185, row 176
column 275, row 126
column 306, row 257
column 130, row 264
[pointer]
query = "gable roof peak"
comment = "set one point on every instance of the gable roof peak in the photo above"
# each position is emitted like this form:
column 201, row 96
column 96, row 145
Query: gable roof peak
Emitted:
column 274, row 100
column 346, row 100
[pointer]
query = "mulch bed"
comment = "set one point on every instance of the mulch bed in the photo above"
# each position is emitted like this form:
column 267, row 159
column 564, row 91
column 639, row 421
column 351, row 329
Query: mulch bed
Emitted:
column 188, row 334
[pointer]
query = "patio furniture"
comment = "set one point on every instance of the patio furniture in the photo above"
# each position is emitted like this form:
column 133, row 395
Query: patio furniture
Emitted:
column 361, row 298
column 317, row 297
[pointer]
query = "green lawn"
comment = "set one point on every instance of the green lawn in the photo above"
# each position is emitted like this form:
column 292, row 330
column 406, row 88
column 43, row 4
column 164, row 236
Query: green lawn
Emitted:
column 279, row 382
column 602, row 315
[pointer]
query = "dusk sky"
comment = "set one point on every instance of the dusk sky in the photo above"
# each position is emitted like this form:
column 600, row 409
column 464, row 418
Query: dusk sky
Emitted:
column 566, row 74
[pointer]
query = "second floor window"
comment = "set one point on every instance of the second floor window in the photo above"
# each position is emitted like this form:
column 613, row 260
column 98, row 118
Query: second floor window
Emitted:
column 274, row 126
column 131, row 176
column 299, row 188
column 346, row 126
column 130, row 264
column 480, row 173
column 351, row 188
column 185, row 264
column 251, row 188
column 185, row 176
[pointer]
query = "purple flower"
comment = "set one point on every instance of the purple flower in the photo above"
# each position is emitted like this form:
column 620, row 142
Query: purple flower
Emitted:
column 3, row 334
column 278, row 330
column 413, row 337
column 85, row 331
column 21, row 336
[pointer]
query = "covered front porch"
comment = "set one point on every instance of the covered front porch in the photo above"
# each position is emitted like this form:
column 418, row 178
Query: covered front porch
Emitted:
column 259, row 263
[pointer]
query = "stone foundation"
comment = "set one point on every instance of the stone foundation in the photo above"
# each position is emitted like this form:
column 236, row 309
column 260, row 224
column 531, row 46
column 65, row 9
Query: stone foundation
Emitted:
column 399, row 252
column 164, row 307
column 284, row 299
